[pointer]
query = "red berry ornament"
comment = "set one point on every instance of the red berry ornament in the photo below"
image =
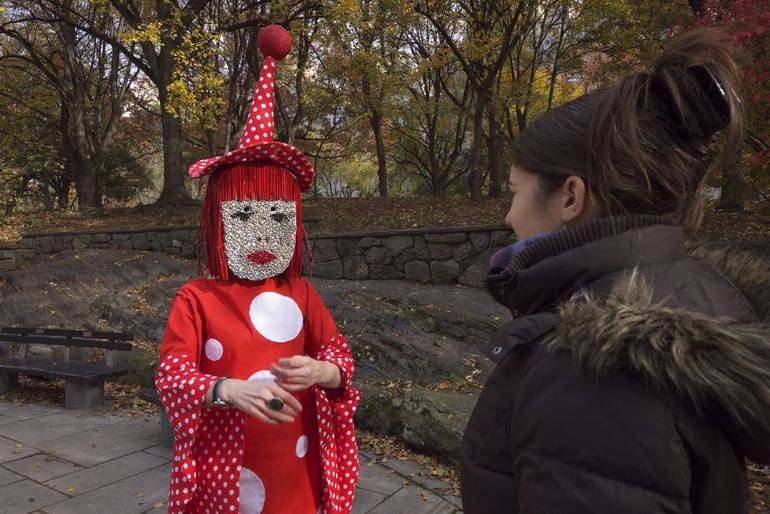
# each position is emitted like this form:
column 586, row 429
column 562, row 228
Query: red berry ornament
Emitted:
column 274, row 41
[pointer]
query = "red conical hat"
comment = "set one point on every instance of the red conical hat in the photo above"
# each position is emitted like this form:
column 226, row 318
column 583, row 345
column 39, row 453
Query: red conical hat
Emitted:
column 258, row 139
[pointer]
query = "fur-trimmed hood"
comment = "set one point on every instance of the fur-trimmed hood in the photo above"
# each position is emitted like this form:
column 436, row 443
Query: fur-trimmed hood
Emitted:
column 720, row 365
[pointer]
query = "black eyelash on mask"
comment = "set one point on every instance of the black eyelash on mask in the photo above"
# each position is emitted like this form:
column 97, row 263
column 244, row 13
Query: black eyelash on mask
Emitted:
column 278, row 216
column 243, row 216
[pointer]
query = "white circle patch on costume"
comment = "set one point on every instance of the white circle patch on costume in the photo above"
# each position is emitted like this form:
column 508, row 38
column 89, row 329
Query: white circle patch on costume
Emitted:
column 252, row 492
column 214, row 349
column 302, row 444
column 276, row 317
column 263, row 376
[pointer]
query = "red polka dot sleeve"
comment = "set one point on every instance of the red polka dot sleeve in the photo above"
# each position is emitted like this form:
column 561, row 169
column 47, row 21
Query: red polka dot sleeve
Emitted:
column 182, row 389
column 336, row 408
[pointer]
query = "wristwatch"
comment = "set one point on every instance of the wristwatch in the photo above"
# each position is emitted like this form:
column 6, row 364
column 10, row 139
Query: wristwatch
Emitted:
column 219, row 402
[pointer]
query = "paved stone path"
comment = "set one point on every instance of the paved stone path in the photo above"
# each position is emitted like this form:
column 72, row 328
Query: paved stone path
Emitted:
column 54, row 461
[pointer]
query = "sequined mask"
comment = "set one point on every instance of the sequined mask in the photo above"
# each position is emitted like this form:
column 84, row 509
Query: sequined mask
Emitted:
column 259, row 236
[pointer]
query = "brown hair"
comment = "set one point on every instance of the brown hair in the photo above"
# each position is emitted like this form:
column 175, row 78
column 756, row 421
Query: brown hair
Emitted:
column 646, row 144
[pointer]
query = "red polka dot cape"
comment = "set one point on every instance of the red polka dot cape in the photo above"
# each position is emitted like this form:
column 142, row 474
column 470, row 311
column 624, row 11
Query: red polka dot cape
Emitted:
column 209, row 443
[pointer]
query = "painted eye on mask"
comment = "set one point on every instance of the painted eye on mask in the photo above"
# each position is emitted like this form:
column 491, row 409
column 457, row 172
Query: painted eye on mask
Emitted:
column 278, row 216
column 244, row 214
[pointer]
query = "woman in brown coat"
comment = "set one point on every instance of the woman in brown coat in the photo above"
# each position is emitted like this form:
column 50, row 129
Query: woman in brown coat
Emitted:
column 634, row 376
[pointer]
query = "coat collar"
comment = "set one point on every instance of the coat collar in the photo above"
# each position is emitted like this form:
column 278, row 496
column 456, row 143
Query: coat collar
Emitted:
column 552, row 269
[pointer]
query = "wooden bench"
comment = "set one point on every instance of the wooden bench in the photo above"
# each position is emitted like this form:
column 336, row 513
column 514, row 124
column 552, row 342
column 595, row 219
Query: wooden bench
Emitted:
column 166, row 433
column 84, row 382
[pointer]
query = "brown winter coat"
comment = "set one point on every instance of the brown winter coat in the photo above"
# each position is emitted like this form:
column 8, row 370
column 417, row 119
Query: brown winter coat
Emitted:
column 634, row 378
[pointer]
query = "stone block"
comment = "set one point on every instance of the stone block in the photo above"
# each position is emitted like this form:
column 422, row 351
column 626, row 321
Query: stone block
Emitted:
column 155, row 245
column 46, row 244
column 325, row 250
column 453, row 237
column 444, row 271
column 397, row 244
column 102, row 238
column 127, row 245
column 8, row 382
column 107, row 473
column 463, row 251
column 417, row 270
column 421, row 249
column 140, row 241
column 347, row 247
column 188, row 250
column 81, row 241
column 328, row 269
column 176, row 243
column 121, row 237
column 27, row 496
column 474, row 276
column 42, row 467
column 479, row 240
column 378, row 255
column 164, row 238
column 406, row 256
column 381, row 272
column 368, row 242
column 498, row 237
column 441, row 251
column 83, row 395
column 7, row 264
column 355, row 268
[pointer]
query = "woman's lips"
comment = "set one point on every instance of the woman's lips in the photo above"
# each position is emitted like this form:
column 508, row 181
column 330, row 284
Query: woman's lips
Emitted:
column 261, row 257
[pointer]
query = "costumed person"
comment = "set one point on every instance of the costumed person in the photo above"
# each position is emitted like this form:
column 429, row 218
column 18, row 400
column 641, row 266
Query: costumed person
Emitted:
column 634, row 377
column 253, row 374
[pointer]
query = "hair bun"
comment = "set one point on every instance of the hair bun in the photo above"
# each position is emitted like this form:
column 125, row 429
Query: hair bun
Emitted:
column 695, row 102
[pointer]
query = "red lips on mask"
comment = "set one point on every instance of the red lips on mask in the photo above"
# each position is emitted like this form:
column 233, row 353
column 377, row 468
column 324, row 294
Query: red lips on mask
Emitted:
column 261, row 257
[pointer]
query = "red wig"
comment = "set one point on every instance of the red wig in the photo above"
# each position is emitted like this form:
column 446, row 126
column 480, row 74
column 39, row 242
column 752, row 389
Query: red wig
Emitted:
column 255, row 180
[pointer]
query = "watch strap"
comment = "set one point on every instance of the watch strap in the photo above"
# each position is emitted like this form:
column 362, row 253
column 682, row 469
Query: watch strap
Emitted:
column 215, row 393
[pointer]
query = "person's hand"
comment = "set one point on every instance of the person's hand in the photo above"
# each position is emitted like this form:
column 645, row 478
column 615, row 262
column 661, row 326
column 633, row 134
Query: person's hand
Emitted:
column 300, row 372
column 251, row 398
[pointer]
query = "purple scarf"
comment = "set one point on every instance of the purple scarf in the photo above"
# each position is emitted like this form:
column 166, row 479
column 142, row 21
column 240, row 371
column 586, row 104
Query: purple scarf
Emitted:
column 502, row 257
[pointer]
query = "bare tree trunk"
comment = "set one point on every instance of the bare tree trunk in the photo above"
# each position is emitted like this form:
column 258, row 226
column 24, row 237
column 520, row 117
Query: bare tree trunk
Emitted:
column 475, row 175
column 174, row 191
column 495, row 149
column 375, row 119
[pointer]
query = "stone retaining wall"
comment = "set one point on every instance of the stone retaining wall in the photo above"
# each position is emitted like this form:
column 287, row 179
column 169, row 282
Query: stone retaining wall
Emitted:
column 432, row 255
column 439, row 255
column 453, row 254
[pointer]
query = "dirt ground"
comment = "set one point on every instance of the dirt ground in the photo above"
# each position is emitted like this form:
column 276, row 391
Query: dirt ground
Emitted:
column 340, row 215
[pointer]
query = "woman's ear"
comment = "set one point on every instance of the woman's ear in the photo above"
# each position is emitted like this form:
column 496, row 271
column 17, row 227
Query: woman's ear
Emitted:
column 576, row 202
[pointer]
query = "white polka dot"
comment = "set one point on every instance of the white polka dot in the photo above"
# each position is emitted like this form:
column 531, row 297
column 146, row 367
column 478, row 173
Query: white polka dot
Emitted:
column 262, row 376
column 252, row 492
column 276, row 317
column 214, row 349
column 302, row 444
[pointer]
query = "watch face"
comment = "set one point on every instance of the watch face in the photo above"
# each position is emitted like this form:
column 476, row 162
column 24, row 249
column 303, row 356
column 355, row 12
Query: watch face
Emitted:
column 259, row 237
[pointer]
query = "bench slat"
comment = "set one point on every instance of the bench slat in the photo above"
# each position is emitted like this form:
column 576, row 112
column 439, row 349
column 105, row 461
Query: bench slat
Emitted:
column 62, row 341
column 67, row 370
column 113, row 336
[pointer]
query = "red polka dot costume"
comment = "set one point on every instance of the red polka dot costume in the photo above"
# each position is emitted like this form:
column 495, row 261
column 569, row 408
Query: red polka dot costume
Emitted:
column 229, row 326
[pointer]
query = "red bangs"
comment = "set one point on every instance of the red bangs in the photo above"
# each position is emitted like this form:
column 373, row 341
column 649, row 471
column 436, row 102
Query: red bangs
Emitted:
column 256, row 180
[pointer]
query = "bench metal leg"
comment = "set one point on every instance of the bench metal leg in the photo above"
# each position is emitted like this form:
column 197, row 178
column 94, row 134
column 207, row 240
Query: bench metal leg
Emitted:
column 83, row 395
column 166, row 432
column 8, row 382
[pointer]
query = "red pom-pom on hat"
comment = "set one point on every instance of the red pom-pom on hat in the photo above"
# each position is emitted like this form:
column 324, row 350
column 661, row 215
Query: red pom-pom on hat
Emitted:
column 274, row 41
